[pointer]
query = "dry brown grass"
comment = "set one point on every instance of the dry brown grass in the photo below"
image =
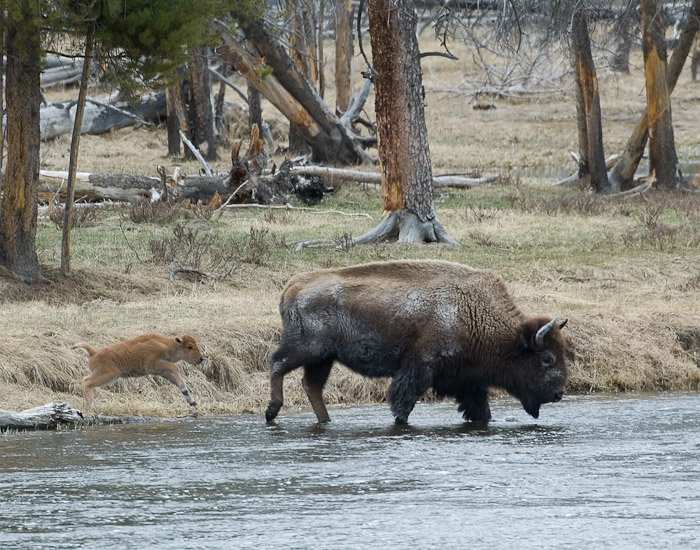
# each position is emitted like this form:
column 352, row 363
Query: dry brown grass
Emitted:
column 625, row 273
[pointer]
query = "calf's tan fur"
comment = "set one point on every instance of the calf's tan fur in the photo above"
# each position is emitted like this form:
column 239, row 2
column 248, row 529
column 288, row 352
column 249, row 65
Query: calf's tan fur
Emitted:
column 146, row 354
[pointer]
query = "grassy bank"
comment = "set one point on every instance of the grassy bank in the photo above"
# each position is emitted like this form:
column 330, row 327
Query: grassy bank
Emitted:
column 625, row 272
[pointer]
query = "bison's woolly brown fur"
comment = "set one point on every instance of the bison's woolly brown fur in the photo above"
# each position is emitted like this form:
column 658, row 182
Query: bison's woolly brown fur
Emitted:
column 425, row 324
column 146, row 354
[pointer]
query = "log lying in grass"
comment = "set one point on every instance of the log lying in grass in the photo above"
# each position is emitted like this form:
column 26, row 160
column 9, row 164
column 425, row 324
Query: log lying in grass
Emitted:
column 60, row 414
column 101, row 116
column 45, row 417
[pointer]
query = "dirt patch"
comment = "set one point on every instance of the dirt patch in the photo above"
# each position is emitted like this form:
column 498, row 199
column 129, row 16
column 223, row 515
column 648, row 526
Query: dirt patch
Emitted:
column 80, row 287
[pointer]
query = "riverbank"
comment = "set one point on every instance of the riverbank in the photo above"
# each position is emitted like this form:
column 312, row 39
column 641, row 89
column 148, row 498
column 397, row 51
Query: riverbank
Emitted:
column 625, row 273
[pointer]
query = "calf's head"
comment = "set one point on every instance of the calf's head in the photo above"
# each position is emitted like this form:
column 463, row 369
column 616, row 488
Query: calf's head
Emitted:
column 188, row 350
column 541, row 366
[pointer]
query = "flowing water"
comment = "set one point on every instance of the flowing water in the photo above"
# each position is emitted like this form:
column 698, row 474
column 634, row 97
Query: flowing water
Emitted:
column 592, row 472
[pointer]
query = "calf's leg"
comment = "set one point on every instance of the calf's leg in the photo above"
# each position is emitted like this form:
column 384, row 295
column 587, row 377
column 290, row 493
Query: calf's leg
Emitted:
column 94, row 380
column 170, row 372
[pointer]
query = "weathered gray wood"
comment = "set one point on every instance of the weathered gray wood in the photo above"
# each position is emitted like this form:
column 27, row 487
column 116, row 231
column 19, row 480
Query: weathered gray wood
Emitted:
column 100, row 117
column 45, row 417
column 61, row 414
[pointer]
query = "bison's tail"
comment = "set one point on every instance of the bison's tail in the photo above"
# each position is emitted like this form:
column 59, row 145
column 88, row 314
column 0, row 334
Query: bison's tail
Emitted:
column 91, row 351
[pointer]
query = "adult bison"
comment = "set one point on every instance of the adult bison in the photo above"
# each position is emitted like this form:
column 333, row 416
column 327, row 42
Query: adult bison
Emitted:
column 425, row 324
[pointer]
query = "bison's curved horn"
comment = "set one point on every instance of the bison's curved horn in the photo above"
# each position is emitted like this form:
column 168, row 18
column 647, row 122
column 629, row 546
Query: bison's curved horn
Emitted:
column 563, row 323
column 539, row 337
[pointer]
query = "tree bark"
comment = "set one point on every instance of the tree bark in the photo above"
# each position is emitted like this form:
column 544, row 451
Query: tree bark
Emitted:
column 343, row 53
column 101, row 116
column 622, row 175
column 177, row 121
column 292, row 95
column 18, row 212
column 300, row 49
column 201, row 112
column 404, row 155
column 663, row 161
column 254, row 108
column 74, row 148
column 592, row 164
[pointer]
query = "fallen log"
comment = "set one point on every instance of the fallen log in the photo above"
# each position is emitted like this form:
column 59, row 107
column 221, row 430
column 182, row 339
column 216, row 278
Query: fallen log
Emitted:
column 95, row 187
column 60, row 414
column 573, row 179
column 100, row 116
column 357, row 176
column 45, row 417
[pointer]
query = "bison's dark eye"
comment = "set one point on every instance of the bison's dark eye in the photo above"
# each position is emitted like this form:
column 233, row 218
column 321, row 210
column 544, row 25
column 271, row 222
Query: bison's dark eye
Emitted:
column 190, row 347
column 548, row 359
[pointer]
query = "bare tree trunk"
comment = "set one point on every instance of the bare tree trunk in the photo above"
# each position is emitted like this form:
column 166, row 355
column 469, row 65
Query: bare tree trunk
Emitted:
column 293, row 96
column 2, row 102
column 302, row 53
column 18, row 212
column 588, row 106
column 254, row 108
column 695, row 59
column 404, row 155
column 343, row 53
column 74, row 148
column 321, row 62
column 201, row 112
column 177, row 121
column 663, row 161
column 622, row 40
column 622, row 174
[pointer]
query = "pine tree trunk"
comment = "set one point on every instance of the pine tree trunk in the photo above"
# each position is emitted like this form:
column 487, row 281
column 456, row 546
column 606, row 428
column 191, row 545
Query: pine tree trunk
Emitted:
column 18, row 212
column 663, row 161
column 588, row 107
column 404, row 155
column 343, row 53
column 74, row 148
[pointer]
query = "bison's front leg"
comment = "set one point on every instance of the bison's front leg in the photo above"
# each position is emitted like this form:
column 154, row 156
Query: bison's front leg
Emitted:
column 406, row 388
column 474, row 404
column 315, row 377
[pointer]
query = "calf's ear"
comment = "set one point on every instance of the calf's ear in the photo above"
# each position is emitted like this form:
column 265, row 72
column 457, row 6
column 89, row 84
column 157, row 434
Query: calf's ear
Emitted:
column 178, row 340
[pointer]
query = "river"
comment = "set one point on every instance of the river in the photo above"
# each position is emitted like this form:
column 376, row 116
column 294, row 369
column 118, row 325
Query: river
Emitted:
column 592, row 472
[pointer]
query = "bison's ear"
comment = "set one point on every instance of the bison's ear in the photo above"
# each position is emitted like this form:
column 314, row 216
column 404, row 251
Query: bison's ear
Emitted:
column 563, row 323
column 178, row 340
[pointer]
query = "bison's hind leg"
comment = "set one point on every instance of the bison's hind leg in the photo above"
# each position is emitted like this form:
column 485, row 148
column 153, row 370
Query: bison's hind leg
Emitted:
column 406, row 388
column 315, row 377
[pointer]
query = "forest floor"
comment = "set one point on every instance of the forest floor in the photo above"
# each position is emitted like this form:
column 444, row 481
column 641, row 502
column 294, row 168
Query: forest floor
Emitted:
column 625, row 272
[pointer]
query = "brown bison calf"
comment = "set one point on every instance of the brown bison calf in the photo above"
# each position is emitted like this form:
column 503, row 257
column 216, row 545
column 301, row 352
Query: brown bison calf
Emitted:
column 426, row 324
column 146, row 354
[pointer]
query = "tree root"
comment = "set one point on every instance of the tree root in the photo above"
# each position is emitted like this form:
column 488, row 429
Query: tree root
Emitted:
column 401, row 226
column 405, row 227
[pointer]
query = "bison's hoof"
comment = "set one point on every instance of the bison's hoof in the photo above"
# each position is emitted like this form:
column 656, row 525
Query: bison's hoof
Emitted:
column 270, row 415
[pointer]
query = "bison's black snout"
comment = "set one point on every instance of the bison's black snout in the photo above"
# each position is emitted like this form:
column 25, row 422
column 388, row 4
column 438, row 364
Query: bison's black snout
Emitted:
column 557, row 396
